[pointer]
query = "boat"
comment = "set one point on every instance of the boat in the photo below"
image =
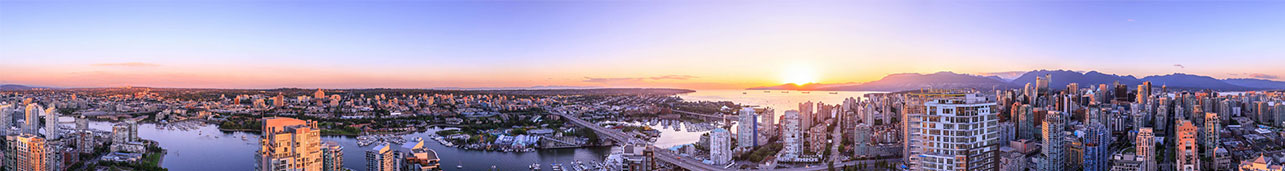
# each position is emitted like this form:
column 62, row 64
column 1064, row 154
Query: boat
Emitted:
column 556, row 167
column 834, row 92
column 785, row 91
column 807, row 92
column 745, row 92
column 767, row 91
column 535, row 166
column 460, row 166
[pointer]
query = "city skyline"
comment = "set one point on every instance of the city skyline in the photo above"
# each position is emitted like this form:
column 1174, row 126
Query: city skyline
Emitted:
column 697, row 45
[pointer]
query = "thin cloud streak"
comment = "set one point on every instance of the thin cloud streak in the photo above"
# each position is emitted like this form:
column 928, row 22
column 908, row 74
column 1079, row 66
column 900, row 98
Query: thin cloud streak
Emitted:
column 1256, row 75
column 635, row 79
column 127, row 64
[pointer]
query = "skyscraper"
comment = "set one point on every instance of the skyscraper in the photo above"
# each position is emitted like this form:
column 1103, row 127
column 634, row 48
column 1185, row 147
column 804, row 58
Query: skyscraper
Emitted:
column 1146, row 144
column 25, row 152
column 912, row 117
column 1280, row 113
column 769, row 121
column 332, row 156
column 1188, row 159
column 1054, row 142
column 6, row 117
column 1028, row 126
column 51, row 123
column 82, row 123
column 720, row 146
column 124, row 132
column 1097, row 142
column 747, row 129
column 31, row 122
column 806, row 115
column 963, row 135
column 1212, row 124
column 861, row 139
column 792, row 135
column 289, row 144
column 381, row 158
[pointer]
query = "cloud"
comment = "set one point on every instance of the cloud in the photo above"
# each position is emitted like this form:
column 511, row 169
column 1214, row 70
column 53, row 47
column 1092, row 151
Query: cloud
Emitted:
column 1263, row 76
column 638, row 79
column 1005, row 75
column 1256, row 75
column 127, row 64
column 1179, row 66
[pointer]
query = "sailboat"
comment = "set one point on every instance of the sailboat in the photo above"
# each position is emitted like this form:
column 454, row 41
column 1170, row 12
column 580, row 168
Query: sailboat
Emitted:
column 460, row 165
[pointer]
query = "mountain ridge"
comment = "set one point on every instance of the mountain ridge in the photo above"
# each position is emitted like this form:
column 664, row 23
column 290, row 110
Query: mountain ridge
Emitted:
column 1060, row 78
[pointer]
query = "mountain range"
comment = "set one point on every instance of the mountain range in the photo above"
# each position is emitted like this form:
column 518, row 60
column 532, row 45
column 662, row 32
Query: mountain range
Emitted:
column 1061, row 78
column 16, row 87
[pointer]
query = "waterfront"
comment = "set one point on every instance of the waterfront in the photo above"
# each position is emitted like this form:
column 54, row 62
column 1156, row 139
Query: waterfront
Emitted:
column 194, row 149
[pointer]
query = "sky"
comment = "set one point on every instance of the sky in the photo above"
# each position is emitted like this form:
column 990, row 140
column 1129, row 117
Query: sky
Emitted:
column 702, row 44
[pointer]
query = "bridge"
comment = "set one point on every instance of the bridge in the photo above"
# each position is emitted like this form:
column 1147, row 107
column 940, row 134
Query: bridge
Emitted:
column 662, row 155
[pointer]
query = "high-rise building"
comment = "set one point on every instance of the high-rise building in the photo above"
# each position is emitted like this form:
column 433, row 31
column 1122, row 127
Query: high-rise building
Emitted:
column 861, row 139
column 1097, row 151
column 962, row 134
column 126, row 131
column 792, row 135
column 25, row 152
column 1028, row 126
column 912, row 118
column 720, row 146
column 82, row 123
column 1188, row 159
column 6, row 117
column 51, row 123
column 1054, row 142
column 1146, row 143
column 31, row 122
column 1211, row 132
column 806, row 115
column 290, row 144
column 381, row 158
column 747, row 129
column 768, row 126
column 1280, row 113
column 332, row 156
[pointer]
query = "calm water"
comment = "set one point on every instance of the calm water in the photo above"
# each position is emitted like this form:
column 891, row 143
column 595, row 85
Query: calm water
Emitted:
column 207, row 148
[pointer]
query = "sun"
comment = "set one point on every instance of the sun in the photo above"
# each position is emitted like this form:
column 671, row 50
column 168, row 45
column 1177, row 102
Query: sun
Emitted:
column 799, row 75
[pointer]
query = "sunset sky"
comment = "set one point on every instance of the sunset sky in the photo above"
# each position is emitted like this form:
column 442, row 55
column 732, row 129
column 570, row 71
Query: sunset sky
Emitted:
column 682, row 44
